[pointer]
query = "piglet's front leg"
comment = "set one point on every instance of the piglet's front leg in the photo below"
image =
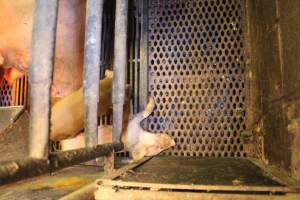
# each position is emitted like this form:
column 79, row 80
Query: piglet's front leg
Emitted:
column 139, row 151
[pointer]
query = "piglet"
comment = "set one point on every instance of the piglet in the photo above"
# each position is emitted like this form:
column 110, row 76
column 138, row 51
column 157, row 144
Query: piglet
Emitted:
column 140, row 142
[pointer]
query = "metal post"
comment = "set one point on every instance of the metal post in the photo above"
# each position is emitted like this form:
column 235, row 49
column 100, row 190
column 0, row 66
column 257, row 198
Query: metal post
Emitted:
column 92, row 62
column 143, row 76
column 40, row 76
column 120, row 61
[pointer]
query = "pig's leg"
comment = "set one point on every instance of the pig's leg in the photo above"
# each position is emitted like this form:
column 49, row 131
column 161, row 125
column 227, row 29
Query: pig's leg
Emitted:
column 151, row 143
column 149, row 108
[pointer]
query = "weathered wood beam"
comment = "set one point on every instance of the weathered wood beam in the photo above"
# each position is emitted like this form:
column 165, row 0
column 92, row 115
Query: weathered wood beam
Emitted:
column 107, row 193
column 192, row 187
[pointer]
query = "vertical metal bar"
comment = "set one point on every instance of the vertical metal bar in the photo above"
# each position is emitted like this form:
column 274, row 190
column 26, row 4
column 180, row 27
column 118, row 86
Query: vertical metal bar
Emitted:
column 130, row 46
column 25, row 91
column 28, row 94
column 21, row 90
column 120, row 61
column 13, row 94
column 92, row 64
column 17, row 92
column 136, row 104
column 40, row 75
column 143, row 90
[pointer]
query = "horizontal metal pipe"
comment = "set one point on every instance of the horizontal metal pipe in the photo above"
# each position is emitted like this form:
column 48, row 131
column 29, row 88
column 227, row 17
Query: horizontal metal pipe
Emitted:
column 11, row 171
column 72, row 157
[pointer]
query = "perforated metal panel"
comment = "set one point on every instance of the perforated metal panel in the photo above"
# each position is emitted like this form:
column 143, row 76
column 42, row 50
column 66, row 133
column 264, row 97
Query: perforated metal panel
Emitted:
column 197, row 76
column 5, row 94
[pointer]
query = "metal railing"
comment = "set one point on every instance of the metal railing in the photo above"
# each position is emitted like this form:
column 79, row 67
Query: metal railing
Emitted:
column 40, row 160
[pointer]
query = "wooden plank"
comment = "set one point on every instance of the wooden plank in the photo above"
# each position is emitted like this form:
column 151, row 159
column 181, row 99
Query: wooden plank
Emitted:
column 276, row 174
column 109, row 193
column 238, row 188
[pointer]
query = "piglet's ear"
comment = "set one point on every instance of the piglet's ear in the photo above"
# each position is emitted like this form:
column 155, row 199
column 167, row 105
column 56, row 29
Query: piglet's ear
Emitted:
column 11, row 74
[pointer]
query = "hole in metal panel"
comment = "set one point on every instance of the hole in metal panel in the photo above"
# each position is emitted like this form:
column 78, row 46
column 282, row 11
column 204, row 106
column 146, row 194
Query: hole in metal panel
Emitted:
column 5, row 94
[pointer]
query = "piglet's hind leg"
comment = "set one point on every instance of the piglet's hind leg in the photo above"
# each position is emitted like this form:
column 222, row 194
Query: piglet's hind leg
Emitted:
column 139, row 151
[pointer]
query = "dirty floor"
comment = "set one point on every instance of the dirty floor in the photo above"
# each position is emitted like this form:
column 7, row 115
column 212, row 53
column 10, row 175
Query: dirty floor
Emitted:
column 207, row 171
column 54, row 186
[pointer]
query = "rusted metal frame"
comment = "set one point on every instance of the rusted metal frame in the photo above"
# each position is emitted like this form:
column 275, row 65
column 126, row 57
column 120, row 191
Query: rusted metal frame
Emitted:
column 143, row 76
column 20, row 169
column 92, row 63
column 40, row 76
column 219, row 188
column 87, row 192
column 107, row 193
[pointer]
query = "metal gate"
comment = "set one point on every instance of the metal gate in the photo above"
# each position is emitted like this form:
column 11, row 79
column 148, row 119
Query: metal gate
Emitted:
column 16, row 94
column 196, row 73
